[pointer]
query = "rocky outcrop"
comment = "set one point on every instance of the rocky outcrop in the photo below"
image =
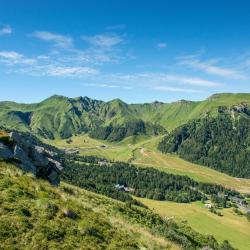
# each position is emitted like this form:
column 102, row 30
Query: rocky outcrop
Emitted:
column 32, row 156
column 5, row 153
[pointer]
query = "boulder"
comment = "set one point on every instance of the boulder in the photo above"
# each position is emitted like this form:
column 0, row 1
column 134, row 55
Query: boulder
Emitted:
column 31, row 155
column 37, row 156
column 5, row 152
column 21, row 156
column 55, row 164
column 53, row 178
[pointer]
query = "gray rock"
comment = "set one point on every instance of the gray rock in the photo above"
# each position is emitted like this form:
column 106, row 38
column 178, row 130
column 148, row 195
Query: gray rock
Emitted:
column 37, row 156
column 21, row 156
column 5, row 153
column 53, row 177
column 55, row 164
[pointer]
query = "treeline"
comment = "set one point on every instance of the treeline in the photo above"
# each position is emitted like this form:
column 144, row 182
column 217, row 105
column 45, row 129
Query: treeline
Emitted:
column 141, row 182
column 118, row 133
column 221, row 142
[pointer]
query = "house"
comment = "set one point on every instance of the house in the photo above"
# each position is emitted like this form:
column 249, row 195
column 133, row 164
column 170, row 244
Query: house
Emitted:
column 123, row 188
column 103, row 163
column 208, row 205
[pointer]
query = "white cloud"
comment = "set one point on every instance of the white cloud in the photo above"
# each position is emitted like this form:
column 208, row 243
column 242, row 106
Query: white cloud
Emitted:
column 209, row 67
column 12, row 57
column 70, row 71
column 161, row 78
column 157, row 81
column 161, row 45
column 5, row 30
column 173, row 89
column 57, row 39
column 195, row 81
column 102, row 85
column 104, row 41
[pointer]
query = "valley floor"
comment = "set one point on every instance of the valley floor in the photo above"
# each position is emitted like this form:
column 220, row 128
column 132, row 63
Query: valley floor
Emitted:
column 143, row 152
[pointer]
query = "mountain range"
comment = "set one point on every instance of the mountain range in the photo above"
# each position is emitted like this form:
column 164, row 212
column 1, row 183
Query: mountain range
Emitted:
column 62, row 117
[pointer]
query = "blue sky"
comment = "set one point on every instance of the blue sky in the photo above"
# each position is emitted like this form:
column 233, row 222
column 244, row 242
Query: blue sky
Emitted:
column 138, row 51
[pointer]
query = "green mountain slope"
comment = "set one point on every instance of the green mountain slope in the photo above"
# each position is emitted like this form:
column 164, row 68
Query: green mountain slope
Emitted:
column 222, row 142
column 62, row 117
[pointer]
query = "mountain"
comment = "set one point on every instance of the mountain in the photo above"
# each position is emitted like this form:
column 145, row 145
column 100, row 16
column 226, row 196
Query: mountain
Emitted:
column 62, row 117
column 221, row 142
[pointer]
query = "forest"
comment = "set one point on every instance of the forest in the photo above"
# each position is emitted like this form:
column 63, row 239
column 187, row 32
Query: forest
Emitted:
column 151, row 183
column 221, row 142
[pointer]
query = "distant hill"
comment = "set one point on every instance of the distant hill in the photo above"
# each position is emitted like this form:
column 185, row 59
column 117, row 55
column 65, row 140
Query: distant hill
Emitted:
column 62, row 117
column 221, row 142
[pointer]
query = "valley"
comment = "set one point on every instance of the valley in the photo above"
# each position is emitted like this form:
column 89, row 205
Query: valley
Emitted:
column 143, row 152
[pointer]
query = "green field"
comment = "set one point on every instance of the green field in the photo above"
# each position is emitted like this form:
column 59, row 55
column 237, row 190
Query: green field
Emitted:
column 142, row 151
column 229, row 226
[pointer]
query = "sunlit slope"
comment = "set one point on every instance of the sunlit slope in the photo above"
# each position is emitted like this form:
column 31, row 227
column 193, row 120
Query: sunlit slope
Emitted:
column 172, row 115
column 35, row 215
column 230, row 225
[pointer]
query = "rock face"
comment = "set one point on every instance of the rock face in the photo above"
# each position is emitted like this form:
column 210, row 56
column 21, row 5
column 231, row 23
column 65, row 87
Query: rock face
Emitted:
column 5, row 153
column 32, row 156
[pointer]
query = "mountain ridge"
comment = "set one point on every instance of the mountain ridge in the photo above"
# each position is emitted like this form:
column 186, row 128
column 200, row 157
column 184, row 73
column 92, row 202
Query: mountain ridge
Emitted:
column 61, row 117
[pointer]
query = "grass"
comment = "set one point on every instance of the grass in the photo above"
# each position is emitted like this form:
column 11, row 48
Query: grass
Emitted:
column 35, row 215
column 142, row 151
column 229, row 226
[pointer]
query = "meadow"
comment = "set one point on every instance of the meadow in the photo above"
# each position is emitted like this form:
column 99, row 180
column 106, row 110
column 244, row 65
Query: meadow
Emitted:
column 230, row 225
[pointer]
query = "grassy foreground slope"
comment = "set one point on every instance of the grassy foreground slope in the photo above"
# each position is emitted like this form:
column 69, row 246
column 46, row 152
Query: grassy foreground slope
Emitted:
column 35, row 215
column 230, row 225
column 142, row 151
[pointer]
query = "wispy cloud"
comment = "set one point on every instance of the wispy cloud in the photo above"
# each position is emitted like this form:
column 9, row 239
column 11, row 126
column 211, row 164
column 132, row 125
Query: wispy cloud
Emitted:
column 161, row 45
column 104, row 41
column 70, row 71
column 102, row 85
column 210, row 67
column 156, row 81
column 173, row 89
column 5, row 30
column 12, row 58
column 161, row 78
column 57, row 39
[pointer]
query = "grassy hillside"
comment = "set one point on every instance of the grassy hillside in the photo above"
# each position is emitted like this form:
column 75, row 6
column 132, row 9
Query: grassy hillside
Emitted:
column 62, row 117
column 172, row 115
column 229, row 225
column 35, row 215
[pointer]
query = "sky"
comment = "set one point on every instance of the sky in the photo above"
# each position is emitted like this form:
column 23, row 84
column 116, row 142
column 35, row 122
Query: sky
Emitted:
column 135, row 50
